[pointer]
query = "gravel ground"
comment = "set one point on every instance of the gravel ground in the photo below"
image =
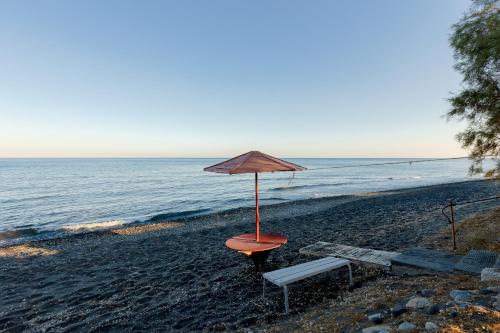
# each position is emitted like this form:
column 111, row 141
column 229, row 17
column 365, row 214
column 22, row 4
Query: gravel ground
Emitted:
column 178, row 275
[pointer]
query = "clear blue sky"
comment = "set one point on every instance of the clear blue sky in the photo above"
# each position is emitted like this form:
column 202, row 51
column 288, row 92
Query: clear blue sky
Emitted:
column 218, row 78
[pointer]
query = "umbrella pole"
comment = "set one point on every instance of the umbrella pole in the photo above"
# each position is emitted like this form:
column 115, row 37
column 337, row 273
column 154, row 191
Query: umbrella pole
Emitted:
column 257, row 220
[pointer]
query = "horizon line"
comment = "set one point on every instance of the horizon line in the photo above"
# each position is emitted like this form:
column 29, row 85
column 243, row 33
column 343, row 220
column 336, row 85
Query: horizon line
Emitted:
column 214, row 157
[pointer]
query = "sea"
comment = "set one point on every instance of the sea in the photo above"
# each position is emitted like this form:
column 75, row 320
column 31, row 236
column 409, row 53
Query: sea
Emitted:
column 44, row 198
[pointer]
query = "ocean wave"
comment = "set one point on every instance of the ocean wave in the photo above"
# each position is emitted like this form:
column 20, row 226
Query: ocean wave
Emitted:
column 273, row 199
column 178, row 215
column 235, row 201
column 297, row 187
column 404, row 178
column 17, row 200
column 18, row 233
column 93, row 226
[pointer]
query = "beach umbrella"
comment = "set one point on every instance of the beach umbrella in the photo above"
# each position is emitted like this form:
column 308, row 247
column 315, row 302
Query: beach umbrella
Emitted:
column 254, row 162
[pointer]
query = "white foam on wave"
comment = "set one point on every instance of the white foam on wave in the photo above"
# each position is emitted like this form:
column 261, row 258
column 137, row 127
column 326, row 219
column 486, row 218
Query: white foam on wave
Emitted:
column 93, row 226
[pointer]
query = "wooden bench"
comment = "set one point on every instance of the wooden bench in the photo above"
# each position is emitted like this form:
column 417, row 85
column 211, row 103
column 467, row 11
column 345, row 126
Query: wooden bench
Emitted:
column 283, row 277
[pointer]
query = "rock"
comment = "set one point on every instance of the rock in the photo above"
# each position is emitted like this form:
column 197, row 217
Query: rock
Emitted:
column 220, row 327
column 449, row 304
column 431, row 327
column 496, row 302
column 406, row 327
column 376, row 318
column 456, row 292
column 483, row 302
column 418, row 303
column 433, row 309
column 453, row 314
column 495, row 289
column 426, row 292
column 461, row 296
column 398, row 310
column 487, row 291
column 490, row 274
column 377, row 329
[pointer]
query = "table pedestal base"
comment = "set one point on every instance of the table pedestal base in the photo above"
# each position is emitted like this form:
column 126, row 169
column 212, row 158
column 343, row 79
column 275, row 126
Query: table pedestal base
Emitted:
column 259, row 259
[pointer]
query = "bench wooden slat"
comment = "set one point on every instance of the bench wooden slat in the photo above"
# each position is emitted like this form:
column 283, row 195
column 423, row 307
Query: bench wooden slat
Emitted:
column 308, row 273
column 293, row 269
column 296, row 273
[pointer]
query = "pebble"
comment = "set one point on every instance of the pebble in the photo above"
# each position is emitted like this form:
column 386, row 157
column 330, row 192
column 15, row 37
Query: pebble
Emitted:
column 398, row 310
column 426, row 292
column 376, row 318
column 487, row 291
column 496, row 302
column 490, row 274
column 219, row 327
column 461, row 296
column 496, row 289
column 377, row 329
column 406, row 327
column 453, row 314
column 433, row 309
column 431, row 327
column 418, row 303
column 483, row 302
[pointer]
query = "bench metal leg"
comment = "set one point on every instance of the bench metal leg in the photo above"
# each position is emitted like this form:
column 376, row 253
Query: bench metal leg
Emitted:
column 350, row 274
column 285, row 291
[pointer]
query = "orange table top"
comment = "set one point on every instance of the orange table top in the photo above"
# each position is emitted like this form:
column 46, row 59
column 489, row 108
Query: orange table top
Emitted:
column 247, row 243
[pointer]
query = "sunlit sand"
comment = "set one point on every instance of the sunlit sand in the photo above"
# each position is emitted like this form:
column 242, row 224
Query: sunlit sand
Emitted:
column 146, row 228
column 26, row 250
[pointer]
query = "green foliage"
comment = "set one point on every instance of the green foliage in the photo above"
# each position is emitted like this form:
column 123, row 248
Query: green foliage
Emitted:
column 476, row 42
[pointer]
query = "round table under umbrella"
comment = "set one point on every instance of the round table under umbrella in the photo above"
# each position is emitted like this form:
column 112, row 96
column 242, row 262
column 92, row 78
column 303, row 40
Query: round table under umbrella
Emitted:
column 255, row 245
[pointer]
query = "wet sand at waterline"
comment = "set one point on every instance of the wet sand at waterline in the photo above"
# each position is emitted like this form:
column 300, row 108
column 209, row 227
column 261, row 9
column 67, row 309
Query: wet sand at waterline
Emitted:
column 178, row 275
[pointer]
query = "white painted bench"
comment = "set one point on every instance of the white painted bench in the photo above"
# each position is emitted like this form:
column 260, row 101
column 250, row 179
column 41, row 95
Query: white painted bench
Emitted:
column 283, row 277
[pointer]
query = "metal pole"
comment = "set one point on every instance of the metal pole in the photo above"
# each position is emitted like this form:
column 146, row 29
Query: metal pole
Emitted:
column 453, row 232
column 257, row 220
column 285, row 291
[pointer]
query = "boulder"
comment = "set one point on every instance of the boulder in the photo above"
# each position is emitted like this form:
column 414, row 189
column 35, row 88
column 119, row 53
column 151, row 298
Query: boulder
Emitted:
column 418, row 303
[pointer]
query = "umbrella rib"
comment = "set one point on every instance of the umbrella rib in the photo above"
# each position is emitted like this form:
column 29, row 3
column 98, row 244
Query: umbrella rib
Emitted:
column 215, row 165
column 243, row 162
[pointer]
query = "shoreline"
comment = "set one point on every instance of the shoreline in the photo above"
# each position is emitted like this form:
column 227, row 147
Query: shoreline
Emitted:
column 103, row 227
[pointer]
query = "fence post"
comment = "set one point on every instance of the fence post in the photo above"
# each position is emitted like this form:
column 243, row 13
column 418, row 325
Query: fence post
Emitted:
column 453, row 232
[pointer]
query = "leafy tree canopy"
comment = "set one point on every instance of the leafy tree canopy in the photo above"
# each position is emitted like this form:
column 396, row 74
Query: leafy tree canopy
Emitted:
column 476, row 43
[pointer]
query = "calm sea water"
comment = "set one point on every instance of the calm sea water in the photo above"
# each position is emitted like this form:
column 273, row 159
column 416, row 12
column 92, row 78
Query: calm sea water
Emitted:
column 41, row 197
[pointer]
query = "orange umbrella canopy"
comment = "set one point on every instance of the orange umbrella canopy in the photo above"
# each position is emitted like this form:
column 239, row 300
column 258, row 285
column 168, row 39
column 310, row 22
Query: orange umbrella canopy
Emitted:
column 253, row 162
